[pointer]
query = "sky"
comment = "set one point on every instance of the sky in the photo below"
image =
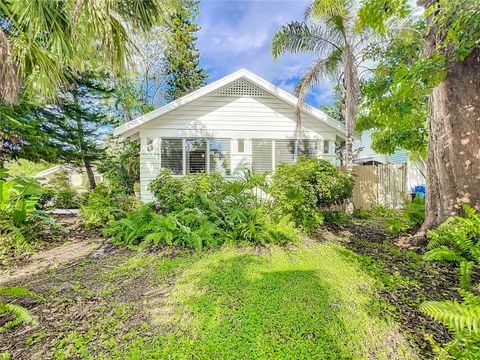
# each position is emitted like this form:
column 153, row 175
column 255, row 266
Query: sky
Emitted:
column 237, row 34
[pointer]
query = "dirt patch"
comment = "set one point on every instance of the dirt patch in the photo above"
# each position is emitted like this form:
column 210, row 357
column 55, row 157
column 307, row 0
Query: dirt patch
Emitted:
column 419, row 281
column 50, row 259
column 77, row 244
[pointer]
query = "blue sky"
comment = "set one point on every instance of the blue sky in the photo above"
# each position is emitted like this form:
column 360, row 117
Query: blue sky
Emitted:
column 237, row 33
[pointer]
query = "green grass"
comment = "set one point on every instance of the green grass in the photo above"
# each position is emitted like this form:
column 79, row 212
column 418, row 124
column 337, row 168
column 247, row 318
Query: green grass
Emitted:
column 303, row 302
column 306, row 303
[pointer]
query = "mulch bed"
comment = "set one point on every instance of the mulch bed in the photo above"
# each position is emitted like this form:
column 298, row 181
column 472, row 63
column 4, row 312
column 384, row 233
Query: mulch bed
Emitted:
column 431, row 282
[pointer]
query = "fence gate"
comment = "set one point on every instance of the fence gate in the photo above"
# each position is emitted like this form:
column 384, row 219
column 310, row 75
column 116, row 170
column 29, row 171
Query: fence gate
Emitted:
column 384, row 184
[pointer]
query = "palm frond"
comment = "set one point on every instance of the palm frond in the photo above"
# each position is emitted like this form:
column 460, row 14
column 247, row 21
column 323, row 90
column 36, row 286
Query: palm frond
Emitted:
column 328, row 8
column 298, row 37
column 321, row 69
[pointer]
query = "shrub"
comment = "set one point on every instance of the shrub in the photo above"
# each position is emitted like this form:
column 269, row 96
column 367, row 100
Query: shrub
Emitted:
column 20, row 219
column 20, row 314
column 415, row 210
column 104, row 204
column 188, row 191
column 121, row 165
column 401, row 221
column 205, row 210
column 302, row 189
column 457, row 240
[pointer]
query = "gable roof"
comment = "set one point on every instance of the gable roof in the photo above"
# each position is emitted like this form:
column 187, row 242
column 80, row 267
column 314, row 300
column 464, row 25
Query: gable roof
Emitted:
column 130, row 127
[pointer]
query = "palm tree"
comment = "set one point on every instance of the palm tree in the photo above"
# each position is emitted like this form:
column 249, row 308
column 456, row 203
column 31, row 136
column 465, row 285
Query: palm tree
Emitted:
column 329, row 32
column 41, row 42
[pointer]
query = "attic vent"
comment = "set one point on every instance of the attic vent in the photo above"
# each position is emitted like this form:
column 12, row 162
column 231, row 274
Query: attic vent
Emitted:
column 241, row 88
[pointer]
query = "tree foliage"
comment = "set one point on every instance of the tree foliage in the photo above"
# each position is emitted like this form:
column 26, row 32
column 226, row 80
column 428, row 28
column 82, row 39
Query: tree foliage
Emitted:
column 395, row 99
column 68, row 130
column 42, row 39
column 181, row 54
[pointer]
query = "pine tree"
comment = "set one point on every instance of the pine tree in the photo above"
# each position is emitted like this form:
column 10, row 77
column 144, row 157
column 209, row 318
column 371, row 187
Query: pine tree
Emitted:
column 181, row 55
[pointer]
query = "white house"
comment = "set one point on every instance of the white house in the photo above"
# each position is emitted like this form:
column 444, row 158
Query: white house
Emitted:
column 240, row 121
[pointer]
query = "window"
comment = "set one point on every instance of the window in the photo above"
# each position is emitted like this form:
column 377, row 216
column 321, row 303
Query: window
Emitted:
column 150, row 145
column 196, row 155
column 261, row 155
column 326, row 147
column 284, row 151
column 172, row 155
column 307, row 147
column 220, row 156
column 241, row 145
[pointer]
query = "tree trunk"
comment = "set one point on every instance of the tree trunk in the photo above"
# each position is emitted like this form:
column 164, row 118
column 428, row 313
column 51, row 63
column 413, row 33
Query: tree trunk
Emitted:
column 350, row 109
column 453, row 158
column 90, row 174
column 83, row 147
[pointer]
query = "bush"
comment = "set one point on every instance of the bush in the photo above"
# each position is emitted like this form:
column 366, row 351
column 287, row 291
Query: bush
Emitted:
column 205, row 210
column 302, row 189
column 104, row 204
column 121, row 165
column 457, row 240
column 188, row 191
column 21, row 222
column 415, row 210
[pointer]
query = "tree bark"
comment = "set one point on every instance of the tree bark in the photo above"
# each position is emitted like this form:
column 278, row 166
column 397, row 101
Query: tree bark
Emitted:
column 453, row 157
column 83, row 148
column 90, row 174
column 350, row 109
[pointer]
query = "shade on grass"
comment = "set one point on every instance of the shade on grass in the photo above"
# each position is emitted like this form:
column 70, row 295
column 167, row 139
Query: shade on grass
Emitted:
column 288, row 304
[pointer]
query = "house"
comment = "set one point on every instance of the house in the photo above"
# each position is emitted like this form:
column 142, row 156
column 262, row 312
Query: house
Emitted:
column 236, row 123
column 76, row 176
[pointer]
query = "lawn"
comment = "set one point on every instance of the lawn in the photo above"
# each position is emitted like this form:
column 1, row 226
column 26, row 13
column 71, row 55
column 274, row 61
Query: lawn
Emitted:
column 305, row 301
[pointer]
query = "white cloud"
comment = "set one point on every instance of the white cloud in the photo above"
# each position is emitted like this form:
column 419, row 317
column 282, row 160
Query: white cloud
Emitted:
column 237, row 34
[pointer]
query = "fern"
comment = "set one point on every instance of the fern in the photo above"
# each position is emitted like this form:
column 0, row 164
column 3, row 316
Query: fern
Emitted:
column 20, row 314
column 465, row 273
column 17, row 291
column 443, row 253
column 457, row 317
column 457, row 240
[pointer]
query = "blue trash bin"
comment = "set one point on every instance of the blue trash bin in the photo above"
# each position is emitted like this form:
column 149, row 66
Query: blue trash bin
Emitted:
column 420, row 190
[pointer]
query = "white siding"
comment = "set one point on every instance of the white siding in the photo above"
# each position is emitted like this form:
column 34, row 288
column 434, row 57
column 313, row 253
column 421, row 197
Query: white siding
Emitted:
column 227, row 117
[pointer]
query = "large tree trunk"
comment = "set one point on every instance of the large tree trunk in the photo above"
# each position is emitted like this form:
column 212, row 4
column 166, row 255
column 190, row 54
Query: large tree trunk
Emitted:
column 90, row 174
column 453, row 159
column 350, row 109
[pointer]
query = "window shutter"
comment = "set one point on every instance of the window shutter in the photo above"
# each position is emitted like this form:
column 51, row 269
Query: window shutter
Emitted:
column 284, row 151
column 196, row 155
column 220, row 156
column 261, row 155
column 172, row 155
